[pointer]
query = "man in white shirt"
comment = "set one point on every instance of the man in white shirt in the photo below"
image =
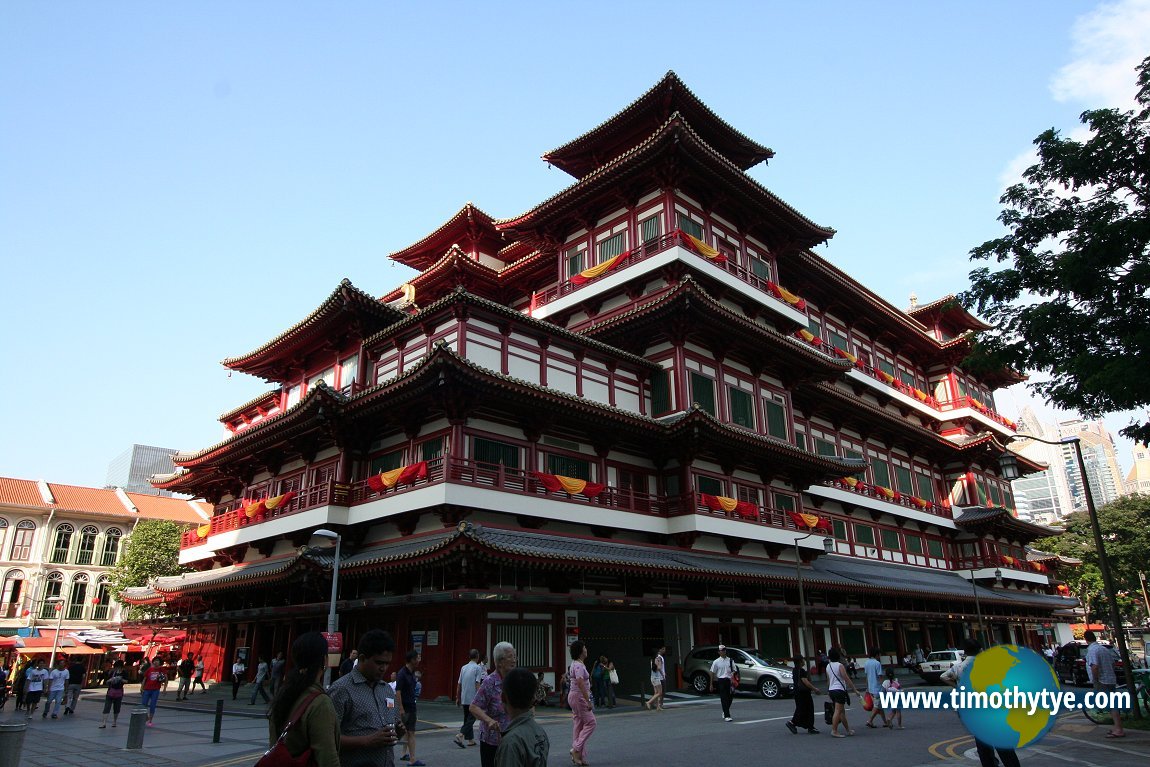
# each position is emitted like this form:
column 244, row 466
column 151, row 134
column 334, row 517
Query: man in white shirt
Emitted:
column 469, row 677
column 1100, row 666
column 57, row 683
column 34, row 679
column 722, row 672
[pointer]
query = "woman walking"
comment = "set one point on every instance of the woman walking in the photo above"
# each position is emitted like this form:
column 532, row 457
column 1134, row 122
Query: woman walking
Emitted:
column 488, row 706
column 804, row 715
column 198, row 675
column 115, row 695
column 302, row 701
column 583, row 721
column 658, row 678
column 837, row 682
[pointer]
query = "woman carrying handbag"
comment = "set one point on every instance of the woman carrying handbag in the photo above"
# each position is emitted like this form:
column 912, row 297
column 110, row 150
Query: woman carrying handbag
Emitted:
column 302, row 725
column 837, row 683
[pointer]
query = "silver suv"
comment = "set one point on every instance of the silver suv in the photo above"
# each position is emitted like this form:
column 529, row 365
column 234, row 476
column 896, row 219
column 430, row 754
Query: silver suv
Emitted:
column 769, row 679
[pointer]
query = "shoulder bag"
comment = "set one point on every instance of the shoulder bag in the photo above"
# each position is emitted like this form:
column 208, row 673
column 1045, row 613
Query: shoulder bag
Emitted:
column 278, row 755
column 734, row 675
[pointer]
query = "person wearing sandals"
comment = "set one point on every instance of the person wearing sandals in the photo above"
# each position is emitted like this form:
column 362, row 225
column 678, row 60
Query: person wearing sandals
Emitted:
column 658, row 678
column 837, row 683
column 115, row 695
column 873, row 670
column 583, row 721
column 804, row 715
column 891, row 685
column 317, row 726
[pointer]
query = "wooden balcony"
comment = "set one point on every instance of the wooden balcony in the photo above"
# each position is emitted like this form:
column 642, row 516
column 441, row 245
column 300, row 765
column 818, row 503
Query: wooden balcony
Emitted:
column 906, row 501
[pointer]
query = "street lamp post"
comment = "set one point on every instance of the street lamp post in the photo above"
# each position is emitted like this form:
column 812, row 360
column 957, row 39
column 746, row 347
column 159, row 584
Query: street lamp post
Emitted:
column 1009, row 465
column 326, row 537
column 828, row 547
column 59, row 602
column 978, row 605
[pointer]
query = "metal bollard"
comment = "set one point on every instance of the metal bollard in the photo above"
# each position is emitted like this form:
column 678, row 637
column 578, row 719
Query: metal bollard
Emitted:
column 219, row 720
column 11, row 743
column 136, row 727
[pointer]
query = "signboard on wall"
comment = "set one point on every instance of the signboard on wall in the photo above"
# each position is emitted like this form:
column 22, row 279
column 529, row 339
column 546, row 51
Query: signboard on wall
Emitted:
column 334, row 642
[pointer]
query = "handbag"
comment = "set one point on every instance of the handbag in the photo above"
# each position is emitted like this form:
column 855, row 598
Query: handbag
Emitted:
column 828, row 711
column 613, row 676
column 868, row 702
column 734, row 675
column 278, row 755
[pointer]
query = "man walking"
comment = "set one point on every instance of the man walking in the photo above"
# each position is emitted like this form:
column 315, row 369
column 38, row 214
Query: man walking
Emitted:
column 1100, row 663
column 34, row 679
column 261, row 679
column 365, row 706
column 198, row 678
column 57, row 682
column 722, row 672
column 465, row 688
column 184, row 671
column 76, row 672
column 279, row 664
column 405, row 686
column 873, row 670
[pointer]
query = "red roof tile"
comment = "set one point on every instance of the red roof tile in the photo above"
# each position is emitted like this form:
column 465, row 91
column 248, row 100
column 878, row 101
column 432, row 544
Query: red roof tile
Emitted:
column 90, row 499
column 20, row 492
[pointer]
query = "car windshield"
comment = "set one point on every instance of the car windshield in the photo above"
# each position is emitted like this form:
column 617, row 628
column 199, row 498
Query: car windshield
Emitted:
column 756, row 659
column 945, row 655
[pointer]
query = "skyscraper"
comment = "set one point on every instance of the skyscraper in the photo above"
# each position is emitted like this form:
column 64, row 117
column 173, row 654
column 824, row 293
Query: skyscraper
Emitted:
column 131, row 469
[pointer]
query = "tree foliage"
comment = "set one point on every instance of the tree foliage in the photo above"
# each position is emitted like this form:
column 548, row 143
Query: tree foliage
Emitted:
column 1074, row 300
column 1125, row 526
column 151, row 551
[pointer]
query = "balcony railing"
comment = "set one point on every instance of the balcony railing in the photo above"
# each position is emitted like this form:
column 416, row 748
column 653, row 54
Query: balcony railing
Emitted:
column 647, row 250
column 75, row 612
column 898, row 499
column 1000, row 561
column 100, row 613
column 918, row 394
column 233, row 516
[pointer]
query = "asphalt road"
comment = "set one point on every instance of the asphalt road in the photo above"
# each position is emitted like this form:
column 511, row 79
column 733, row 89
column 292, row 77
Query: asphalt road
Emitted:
column 689, row 732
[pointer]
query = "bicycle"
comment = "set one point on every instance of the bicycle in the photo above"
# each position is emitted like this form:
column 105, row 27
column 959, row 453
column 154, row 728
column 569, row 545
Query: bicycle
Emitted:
column 1141, row 693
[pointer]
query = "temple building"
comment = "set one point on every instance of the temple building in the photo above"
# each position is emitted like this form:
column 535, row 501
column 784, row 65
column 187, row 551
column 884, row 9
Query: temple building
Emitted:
column 643, row 412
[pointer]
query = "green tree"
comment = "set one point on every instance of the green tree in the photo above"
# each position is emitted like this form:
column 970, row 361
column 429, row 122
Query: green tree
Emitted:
column 151, row 551
column 1074, row 301
column 1125, row 526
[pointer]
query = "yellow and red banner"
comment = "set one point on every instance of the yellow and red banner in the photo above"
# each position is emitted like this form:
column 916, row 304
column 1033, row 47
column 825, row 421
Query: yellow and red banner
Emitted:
column 1038, row 567
column 886, row 492
column 744, row 509
column 810, row 521
column 781, row 293
column 600, row 269
column 846, row 355
column 571, row 485
column 203, row 530
column 1009, row 560
column 404, row 475
column 703, row 249
column 1063, row 589
column 261, row 507
column 809, row 337
column 885, row 376
column 922, row 503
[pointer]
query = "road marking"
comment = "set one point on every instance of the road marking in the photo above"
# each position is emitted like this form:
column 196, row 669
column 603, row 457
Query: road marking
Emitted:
column 963, row 743
column 757, row 721
column 933, row 750
column 1096, row 744
column 1079, row 760
column 245, row 759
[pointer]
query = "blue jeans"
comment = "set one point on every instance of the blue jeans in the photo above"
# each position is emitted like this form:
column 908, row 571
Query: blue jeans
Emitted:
column 149, row 699
column 52, row 706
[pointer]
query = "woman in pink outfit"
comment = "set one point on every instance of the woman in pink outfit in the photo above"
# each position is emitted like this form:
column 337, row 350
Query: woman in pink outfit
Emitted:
column 580, row 701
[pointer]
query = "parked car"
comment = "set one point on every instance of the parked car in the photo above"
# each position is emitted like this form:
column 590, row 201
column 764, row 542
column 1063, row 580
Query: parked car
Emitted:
column 1070, row 663
column 768, row 679
column 938, row 663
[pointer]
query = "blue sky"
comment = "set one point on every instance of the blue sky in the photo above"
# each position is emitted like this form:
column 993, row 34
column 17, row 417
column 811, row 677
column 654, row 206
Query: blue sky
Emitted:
column 181, row 181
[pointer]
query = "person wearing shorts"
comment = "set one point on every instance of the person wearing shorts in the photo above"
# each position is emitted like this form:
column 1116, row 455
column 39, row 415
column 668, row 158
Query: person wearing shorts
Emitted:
column 34, row 679
column 405, row 687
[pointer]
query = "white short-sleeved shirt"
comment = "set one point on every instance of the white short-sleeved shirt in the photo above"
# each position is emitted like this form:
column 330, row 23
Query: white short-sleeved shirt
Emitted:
column 723, row 668
column 469, row 677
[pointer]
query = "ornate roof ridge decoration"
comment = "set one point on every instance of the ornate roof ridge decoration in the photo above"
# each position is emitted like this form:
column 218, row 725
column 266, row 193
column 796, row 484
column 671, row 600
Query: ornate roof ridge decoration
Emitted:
column 832, row 466
column 453, row 261
column 470, row 224
column 247, row 573
column 948, row 306
column 345, row 297
column 827, row 269
column 674, row 135
column 251, row 403
column 315, row 398
column 460, row 295
column 975, row 518
column 691, row 287
column 607, row 140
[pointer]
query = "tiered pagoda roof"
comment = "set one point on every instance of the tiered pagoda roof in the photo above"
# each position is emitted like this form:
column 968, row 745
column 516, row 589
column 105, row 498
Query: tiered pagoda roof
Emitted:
column 470, row 229
column 348, row 311
column 641, row 118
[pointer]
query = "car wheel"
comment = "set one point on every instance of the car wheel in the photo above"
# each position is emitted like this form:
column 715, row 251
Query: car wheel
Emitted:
column 769, row 687
column 700, row 682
